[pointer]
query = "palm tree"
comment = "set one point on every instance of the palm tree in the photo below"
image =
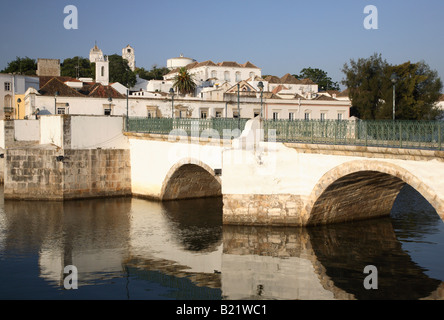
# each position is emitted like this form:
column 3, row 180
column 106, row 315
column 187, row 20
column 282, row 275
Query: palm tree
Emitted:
column 184, row 82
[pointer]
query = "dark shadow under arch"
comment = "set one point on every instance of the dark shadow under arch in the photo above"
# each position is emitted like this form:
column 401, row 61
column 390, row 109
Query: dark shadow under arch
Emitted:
column 191, row 181
column 358, row 190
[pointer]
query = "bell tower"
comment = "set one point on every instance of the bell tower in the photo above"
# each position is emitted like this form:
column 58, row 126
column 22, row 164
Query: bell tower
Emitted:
column 128, row 55
column 102, row 71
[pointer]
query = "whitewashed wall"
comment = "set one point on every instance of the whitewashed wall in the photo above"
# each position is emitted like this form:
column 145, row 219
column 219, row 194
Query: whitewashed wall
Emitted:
column 51, row 130
column 91, row 132
column 27, row 130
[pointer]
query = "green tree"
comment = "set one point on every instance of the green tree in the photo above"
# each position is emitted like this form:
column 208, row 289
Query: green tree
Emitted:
column 319, row 77
column 77, row 67
column 371, row 89
column 155, row 73
column 119, row 71
column 26, row 66
column 366, row 81
column 184, row 82
column 417, row 90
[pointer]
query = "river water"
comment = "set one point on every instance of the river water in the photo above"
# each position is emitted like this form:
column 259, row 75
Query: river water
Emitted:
column 129, row 248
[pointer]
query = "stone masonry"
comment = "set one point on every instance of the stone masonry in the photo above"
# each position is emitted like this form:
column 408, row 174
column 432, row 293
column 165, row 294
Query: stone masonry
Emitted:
column 45, row 172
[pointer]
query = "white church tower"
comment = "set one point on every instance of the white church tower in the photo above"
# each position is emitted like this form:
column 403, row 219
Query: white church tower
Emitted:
column 95, row 54
column 102, row 71
column 128, row 54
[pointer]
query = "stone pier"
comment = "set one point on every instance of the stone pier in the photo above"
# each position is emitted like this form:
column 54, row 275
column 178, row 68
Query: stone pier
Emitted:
column 73, row 159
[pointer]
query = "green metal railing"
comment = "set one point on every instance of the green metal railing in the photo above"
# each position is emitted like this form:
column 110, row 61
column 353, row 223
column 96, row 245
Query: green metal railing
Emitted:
column 386, row 133
column 378, row 133
column 214, row 127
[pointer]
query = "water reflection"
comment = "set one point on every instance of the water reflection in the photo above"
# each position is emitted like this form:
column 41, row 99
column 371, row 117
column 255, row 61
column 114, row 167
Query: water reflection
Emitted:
column 129, row 248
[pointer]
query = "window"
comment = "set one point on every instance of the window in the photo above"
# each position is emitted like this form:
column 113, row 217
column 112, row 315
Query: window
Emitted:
column 275, row 115
column 307, row 116
column 60, row 110
column 214, row 74
column 7, row 86
column 102, row 71
column 151, row 114
column 203, row 114
column 227, row 76
column 291, row 116
column 256, row 113
column 235, row 114
column 238, row 76
column 8, row 101
column 107, row 112
column 218, row 114
column 322, row 116
column 339, row 116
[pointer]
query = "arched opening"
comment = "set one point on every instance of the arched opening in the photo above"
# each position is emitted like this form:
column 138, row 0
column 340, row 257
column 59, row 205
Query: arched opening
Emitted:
column 191, row 181
column 356, row 196
column 360, row 190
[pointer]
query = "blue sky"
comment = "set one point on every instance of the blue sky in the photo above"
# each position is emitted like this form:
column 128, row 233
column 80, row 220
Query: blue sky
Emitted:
column 278, row 36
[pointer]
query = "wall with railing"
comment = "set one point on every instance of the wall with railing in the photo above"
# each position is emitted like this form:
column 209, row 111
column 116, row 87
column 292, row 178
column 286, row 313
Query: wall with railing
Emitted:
column 214, row 127
column 381, row 133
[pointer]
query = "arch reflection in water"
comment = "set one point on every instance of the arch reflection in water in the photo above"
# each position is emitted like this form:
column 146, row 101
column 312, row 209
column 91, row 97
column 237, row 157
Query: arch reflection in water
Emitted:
column 328, row 262
column 179, row 250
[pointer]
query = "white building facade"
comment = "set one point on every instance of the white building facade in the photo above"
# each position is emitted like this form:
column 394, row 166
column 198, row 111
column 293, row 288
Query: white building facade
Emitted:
column 10, row 86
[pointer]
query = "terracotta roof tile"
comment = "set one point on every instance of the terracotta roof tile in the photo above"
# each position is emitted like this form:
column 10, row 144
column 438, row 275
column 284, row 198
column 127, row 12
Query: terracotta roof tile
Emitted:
column 343, row 93
column 272, row 79
column 248, row 64
column 228, row 64
column 306, row 81
column 56, row 85
column 93, row 89
column 289, row 79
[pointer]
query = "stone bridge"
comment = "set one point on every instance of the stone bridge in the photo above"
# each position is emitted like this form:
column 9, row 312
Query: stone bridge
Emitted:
column 282, row 184
column 261, row 182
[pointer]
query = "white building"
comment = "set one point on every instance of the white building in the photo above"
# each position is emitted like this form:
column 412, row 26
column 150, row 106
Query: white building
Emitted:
column 208, row 73
column 95, row 54
column 178, row 62
column 129, row 55
column 441, row 102
column 10, row 86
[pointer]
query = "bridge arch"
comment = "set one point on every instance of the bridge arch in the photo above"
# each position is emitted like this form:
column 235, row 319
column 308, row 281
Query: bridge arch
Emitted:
column 344, row 191
column 190, row 178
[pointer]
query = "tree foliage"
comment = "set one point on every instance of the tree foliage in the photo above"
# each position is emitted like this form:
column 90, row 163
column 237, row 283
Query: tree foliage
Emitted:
column 184, row 82
column 77, row 67
column 154, row 74
column 417, row 89
column 119, row 71
column 319, row 77
column 26, row 66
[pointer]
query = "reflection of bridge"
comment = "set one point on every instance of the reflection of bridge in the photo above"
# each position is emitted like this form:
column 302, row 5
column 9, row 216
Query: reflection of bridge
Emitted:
column 108, row 238
column 355, row 173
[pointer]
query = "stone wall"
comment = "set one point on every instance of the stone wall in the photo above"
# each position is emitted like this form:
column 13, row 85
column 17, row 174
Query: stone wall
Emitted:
column 262, row 209
column 96, row 173
column 36, row 173
column 33, row 174
column 48, row 67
